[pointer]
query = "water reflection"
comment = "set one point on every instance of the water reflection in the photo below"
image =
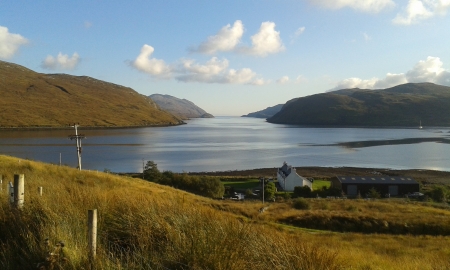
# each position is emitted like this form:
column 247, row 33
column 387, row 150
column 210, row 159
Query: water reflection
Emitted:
column 230, row 143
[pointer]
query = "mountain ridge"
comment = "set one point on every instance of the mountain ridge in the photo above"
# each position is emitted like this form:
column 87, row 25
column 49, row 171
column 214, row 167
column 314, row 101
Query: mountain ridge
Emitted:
column 31, row 99
column 181, row 108
column 403, row 105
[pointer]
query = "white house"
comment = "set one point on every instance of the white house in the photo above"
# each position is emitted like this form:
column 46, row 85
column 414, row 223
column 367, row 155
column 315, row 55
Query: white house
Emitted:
column 288, row 178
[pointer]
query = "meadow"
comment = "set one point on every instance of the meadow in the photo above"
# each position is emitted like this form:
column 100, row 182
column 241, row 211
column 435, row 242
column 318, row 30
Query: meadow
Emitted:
column 143, row 225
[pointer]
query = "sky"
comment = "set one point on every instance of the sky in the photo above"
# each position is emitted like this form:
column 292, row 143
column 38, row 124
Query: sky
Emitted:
column 237, row 56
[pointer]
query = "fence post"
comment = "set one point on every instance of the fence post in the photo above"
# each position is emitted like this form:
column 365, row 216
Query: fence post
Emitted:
column 19, row 190
column 92, row 234
column 40, row 191
column 1, row 182
column 11, row 193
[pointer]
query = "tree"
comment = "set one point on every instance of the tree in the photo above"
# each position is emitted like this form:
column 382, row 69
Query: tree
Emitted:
column 269, row 190
column 151, row 171
column 439, row 194
column 373, row 193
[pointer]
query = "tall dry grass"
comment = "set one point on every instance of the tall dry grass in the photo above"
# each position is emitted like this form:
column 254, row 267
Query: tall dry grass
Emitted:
column 141, row 226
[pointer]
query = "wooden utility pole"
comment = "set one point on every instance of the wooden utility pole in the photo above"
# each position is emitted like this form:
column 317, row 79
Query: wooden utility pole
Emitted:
column 78, row 138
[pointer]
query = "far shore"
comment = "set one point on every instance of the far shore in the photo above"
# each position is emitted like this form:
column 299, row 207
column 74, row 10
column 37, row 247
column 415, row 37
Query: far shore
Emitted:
column 86, row 127
column 424, row 176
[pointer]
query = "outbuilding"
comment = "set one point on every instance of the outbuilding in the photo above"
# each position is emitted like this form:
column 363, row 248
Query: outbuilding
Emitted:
column 391, row 185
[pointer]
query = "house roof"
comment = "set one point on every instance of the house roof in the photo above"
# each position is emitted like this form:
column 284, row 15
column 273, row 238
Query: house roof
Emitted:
column 285, row 170
column 397, row 180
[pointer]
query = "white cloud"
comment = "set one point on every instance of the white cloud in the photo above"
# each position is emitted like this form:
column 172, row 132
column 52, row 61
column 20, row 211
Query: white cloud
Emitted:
column 429, row 70
column 419, row 10
column 366, row 37
column 10, row 43
column 215, row 71
column 61, row 62
column 372, row 6
column 265, row 42
column 188, row 70
column 283, row 80
column 300, row 79
column 152, row 66
column 299, row 31
column 225, row 40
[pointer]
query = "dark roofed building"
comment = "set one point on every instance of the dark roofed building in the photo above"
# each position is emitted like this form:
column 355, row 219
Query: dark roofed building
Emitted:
column 392, row 185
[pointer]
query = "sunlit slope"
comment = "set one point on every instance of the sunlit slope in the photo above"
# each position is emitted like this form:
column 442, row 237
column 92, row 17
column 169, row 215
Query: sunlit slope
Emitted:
column 403, row 105
column 30, row 99
column 141, row 225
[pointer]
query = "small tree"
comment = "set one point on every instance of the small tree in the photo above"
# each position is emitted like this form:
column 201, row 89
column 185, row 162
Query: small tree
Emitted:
column 269, row 191
column 151, row 171
column 373, row 193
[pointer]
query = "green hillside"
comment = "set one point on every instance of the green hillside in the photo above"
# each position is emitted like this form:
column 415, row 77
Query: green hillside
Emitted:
column 31, row 99
column 403, row 105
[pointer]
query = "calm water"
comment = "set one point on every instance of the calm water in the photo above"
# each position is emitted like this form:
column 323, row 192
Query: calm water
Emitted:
column 234, row 143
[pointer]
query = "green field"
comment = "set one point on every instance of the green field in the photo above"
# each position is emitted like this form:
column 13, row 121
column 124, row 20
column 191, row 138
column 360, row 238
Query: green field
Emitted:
column 318, row 184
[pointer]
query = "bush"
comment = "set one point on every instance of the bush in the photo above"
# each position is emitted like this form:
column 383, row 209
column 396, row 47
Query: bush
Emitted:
column 301, row 204
column 304, row 191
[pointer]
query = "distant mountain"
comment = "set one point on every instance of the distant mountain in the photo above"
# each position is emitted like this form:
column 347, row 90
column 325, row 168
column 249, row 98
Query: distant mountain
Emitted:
column 31, row 99
column 266, row 113
column 403, row 105
column 182, row 108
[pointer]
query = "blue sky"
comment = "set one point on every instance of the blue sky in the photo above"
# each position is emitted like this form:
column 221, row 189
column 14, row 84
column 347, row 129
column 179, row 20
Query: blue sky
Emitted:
column 233, row 57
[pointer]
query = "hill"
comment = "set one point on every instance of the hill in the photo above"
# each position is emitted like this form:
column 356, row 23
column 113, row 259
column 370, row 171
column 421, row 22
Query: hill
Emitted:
column 266, row 113
column 143, row 225
column 182, row 108
column 403, row 105
column 31, row 99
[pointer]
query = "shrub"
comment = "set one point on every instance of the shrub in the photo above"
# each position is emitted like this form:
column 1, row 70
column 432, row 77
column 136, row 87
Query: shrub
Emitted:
column 301, row 204
column 304, row 191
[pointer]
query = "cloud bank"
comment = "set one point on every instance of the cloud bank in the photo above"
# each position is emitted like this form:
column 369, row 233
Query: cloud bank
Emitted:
column 419, row 10
column 371, row 6
column 10, row 43
column 429, row 70
column 188, row 70
column 61, row 62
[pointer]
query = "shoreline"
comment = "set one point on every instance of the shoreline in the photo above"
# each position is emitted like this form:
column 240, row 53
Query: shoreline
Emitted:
column 423, row 175
column 85, row 127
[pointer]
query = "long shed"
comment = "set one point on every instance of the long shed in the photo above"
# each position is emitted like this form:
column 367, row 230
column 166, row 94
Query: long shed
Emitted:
column 392, row 185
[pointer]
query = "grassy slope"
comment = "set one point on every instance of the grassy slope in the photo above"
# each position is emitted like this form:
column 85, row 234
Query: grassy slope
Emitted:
column 403, row 105
column 144, row 225
column 31, row 99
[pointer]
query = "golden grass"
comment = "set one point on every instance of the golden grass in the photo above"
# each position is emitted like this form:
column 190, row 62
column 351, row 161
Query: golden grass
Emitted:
column 143, row 225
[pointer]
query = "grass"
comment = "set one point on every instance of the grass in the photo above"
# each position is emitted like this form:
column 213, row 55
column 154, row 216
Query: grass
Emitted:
column 319, row 184
column 143, row 225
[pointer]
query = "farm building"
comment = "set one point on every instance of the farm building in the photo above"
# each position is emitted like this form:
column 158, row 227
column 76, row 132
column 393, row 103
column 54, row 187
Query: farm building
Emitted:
column 394, row 186
column 289, row 179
